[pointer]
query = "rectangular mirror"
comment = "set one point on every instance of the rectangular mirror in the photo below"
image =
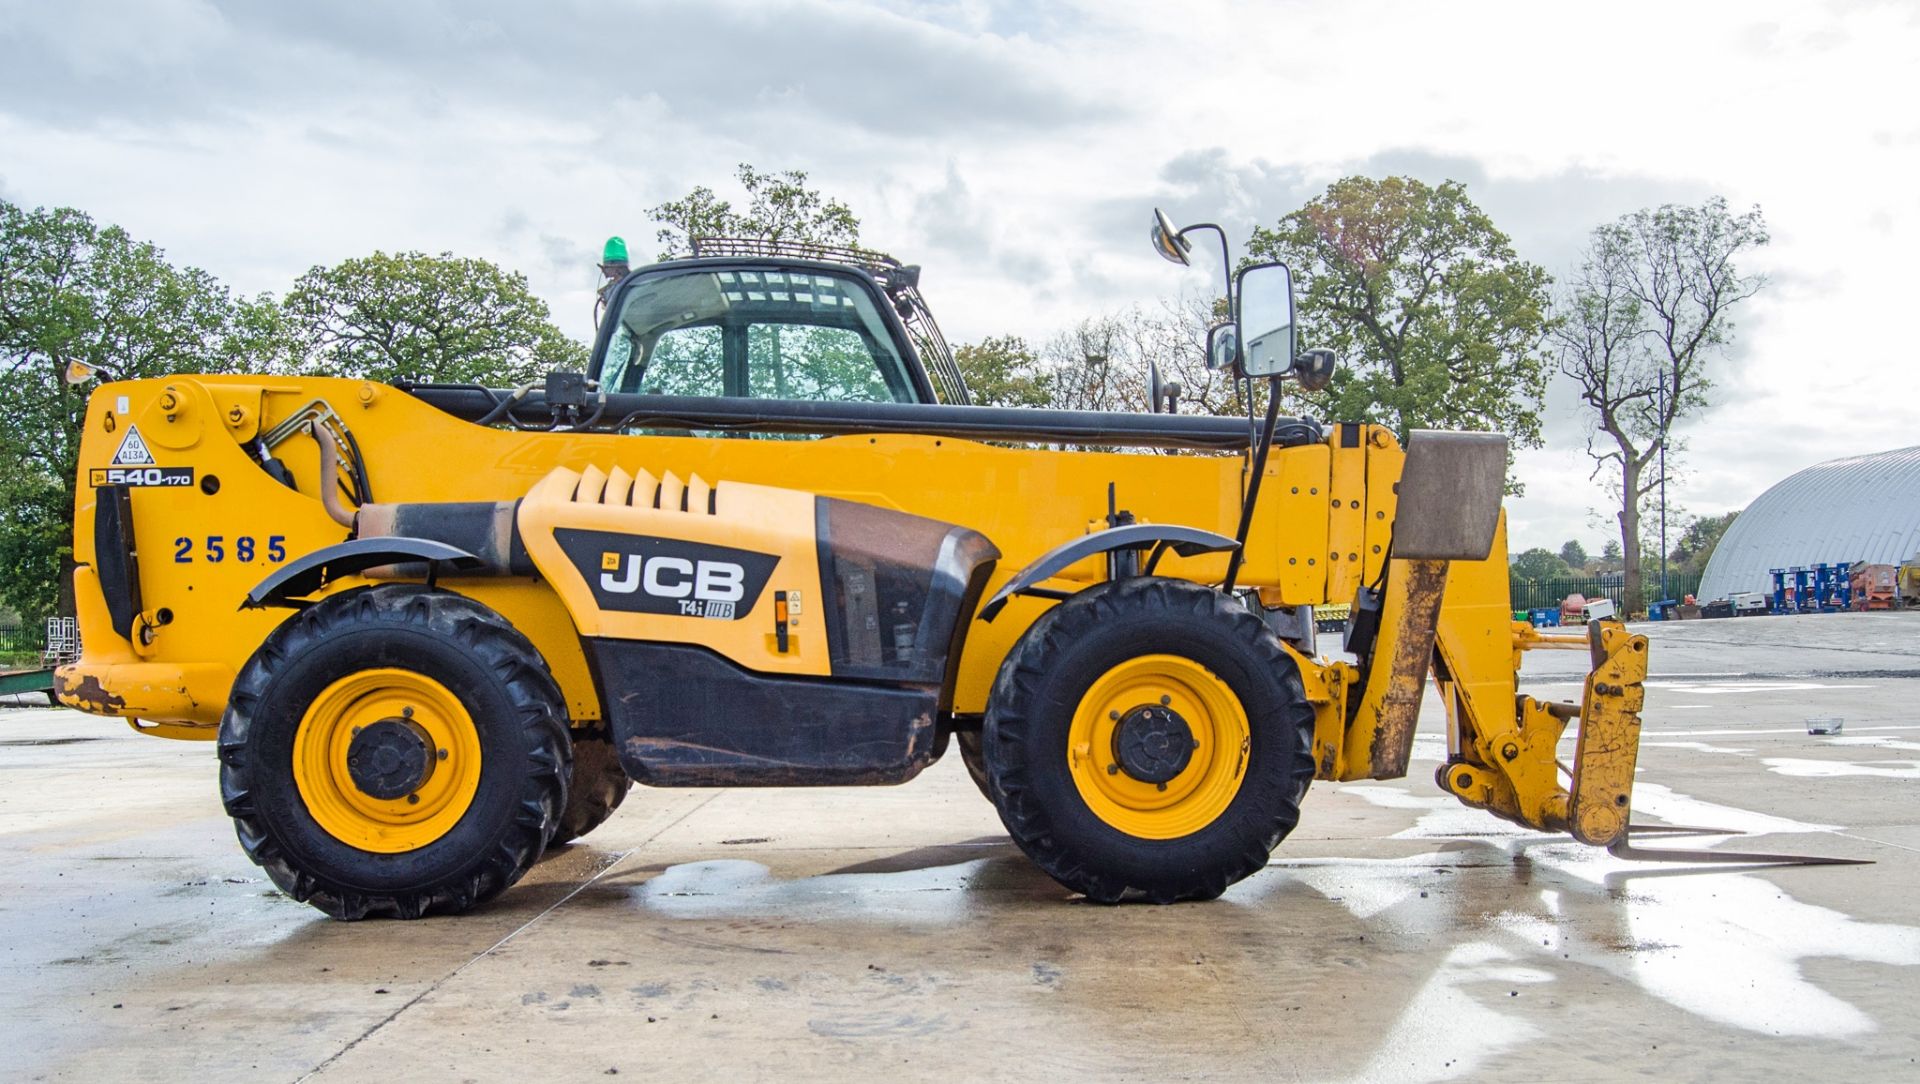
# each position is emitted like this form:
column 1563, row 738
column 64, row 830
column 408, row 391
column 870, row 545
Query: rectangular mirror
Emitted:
column 1266, row 319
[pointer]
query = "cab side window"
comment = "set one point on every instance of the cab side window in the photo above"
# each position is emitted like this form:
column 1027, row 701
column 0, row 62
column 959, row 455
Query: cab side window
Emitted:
column 685, row 361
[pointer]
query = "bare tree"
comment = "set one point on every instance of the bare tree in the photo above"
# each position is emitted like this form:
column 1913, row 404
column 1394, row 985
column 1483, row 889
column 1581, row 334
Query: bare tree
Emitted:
column 1645, row 314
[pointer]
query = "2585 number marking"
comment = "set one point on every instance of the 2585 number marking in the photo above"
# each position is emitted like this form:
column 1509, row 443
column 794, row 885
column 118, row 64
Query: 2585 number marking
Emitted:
column 215, row 548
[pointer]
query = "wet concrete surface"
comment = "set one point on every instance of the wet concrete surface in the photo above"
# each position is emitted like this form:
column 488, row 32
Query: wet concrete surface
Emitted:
column 761, row 934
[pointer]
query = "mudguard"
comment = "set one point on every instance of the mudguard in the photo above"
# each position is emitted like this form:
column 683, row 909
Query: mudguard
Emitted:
column 1185, row 541
column 302, row 577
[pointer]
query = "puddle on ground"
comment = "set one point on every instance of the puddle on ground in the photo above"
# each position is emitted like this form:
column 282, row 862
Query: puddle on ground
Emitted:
column 1725, row 946
column 1872, row 741
column 736, row 888
column 1426, row 1044
column 1835, row 769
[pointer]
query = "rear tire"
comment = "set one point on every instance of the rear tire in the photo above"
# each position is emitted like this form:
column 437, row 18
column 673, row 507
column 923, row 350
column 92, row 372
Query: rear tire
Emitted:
column 596, row 788
column 973, row 755
column 1178, row 821
column 470, row 685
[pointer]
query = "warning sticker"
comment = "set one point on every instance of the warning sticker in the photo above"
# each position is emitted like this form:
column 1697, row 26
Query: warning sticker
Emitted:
column 133, row 450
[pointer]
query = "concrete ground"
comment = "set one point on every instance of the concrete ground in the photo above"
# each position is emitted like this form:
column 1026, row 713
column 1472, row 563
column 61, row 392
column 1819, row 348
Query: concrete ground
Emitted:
column 763, row 934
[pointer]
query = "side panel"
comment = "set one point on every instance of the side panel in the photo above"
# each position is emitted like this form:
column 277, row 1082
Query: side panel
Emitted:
column 751, row 636
column 712, row 571
column 685, row 717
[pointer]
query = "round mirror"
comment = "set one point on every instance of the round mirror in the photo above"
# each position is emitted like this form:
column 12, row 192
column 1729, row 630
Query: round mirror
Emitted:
column 1223, row 347
column 1167, row 240
column 1315, row 368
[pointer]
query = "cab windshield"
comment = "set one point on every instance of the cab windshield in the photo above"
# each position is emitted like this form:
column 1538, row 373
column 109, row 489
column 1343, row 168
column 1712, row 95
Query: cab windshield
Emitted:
column 762, row 333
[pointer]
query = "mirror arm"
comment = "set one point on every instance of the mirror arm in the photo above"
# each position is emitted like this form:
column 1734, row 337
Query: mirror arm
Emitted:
column 1253, row 484
column 1226, row 260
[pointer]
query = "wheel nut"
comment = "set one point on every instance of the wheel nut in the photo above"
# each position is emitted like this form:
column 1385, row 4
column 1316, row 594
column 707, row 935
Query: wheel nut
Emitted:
column 413, row 799
column 1113, row 769
column 1162, row 786
column 1113, row 715
column 441, row 754
column 406, row 713
column 1165, row 700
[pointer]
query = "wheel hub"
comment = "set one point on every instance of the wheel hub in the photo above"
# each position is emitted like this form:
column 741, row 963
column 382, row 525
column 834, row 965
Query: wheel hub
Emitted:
column 390, row 758
column 1153, row 743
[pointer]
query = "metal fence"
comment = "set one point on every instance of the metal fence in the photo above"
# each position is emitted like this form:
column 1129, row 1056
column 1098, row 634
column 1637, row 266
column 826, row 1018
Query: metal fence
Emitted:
column 20, row 639
column 1548, row 594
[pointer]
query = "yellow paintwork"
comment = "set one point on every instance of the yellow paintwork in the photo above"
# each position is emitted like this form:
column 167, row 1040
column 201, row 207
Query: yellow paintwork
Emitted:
column 1601, row 793
column 386, row 826
column 1025, row 500
column 760, row 518
column 1502, row 747
column 1204, row 788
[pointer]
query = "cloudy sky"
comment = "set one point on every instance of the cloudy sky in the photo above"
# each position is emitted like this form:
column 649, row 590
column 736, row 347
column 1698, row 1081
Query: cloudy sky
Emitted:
column 1017, row 148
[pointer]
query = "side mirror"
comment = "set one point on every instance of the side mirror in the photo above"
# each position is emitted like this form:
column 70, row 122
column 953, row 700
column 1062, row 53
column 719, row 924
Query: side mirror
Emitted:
column 1314, row 368
column 1266, row 319
column 1223, row 348
column 1167, row 240
column 1163, row 395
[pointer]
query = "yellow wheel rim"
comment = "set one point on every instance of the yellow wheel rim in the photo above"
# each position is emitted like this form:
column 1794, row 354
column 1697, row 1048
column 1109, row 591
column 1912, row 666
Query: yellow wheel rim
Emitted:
column 1202, row 789
column 393, row 698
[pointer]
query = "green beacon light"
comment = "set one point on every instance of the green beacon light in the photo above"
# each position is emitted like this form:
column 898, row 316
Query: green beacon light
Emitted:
column 615, row 251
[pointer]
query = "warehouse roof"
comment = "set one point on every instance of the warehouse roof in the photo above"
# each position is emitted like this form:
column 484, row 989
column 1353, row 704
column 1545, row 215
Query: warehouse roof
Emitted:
column 1862, row 508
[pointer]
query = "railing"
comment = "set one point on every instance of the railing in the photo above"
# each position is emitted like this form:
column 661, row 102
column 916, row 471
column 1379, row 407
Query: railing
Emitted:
column 24, row 647
column 1549, row 594
column 20, row 644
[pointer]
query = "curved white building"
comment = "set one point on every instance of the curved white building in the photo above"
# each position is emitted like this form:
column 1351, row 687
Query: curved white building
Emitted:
column 1863, row 508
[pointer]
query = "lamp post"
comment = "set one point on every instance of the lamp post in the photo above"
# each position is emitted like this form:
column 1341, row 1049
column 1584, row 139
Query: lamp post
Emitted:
column 1664, row 427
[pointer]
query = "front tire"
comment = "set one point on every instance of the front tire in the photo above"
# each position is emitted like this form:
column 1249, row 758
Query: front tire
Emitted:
column 1149, row 738
column 394, row 750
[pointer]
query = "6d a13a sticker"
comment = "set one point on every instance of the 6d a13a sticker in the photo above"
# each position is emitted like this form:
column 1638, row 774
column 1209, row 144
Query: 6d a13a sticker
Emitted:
column 133, row 465
column 640, row 574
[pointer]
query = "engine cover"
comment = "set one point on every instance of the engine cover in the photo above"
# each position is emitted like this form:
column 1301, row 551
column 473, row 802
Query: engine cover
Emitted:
column 744, row 634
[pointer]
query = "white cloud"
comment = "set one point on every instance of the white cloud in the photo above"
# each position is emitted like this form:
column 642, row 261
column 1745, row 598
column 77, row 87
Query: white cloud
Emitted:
column 1015, row 149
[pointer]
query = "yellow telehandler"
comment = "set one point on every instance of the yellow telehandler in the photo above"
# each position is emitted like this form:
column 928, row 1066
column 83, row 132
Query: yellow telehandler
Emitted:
column 765, row 541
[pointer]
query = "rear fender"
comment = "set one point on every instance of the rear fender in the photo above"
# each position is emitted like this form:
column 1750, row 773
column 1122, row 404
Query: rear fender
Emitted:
column 1184, row 541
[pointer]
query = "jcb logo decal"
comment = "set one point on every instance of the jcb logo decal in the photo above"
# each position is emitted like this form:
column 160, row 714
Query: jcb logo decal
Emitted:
column 711, row 588
column 639, row 574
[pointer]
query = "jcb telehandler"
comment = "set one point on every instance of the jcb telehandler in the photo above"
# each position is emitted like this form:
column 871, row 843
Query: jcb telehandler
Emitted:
column 764, row 541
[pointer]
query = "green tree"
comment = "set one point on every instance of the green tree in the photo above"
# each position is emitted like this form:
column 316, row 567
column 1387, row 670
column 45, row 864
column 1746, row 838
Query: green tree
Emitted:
column 1648, row 309
column 1696, row 545
column 780, row 207
column 1003, row 371
column 1574, row 554
column 1539, row 565
column 415, row 317
column 1437, row 322
column 74, row 291
column 1610, row 552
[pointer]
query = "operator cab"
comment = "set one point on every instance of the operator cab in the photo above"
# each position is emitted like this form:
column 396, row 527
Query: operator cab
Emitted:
column 753, row 320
